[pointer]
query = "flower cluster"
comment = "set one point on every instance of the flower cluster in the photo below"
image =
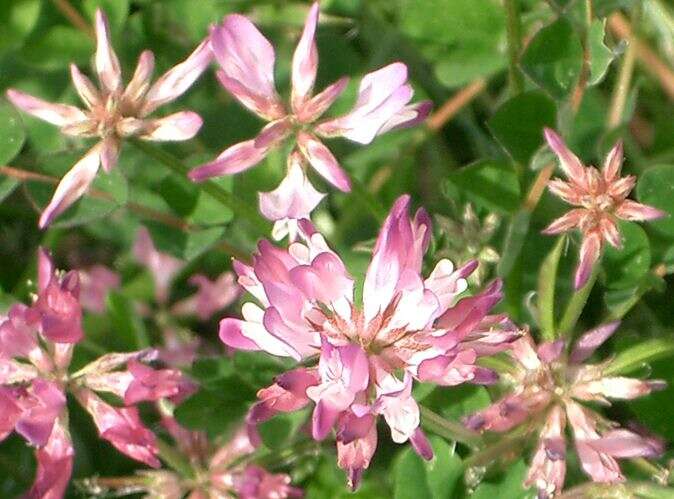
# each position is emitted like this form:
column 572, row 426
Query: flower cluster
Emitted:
column 408, row 327
column 220, row 472
column 548, row 386
column 246, row 60
column 601, row 198
column 115, row 113
column 36, row 348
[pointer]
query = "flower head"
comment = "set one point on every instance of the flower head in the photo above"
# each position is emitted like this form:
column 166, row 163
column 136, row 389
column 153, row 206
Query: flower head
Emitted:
column 95, row 284
column 246, row 60
column 36, row 348
column 212, row 296
column 407, row 328
column 162, row 266
column 114, row 113
column 601, row 200
column 549, row 388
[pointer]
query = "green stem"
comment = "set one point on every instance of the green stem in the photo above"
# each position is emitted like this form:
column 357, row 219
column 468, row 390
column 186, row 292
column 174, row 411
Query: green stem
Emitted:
column 368, row 200
column 575, row 306
column 514, row 31
column 224, row 197
column 492, row 452
column 174, row 459
column 448, row 429
column 640, row 354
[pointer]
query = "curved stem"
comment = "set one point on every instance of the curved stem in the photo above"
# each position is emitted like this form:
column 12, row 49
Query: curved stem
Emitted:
column 174, row 459
column 224, row 197
column 448, row 429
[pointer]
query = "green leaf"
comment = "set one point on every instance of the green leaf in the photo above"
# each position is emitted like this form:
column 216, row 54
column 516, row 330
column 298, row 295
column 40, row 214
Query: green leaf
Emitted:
column 600, row 55
column 57, row 48
column 553, row 59
column 208, row 211
column 625, row 267
column 218, row 408
column 489, row 184
column 462, row 51
column 198, row 242
column 130, row 332
column 514, row 241
column 7, row 186
column 656, row 188
column 634, row 357
column 518, row 124
column 547, row 278
column 17, row 20
column 576, row 305
column 415, row 478
column 12, row 133
column 509, row 486
column 280, row 431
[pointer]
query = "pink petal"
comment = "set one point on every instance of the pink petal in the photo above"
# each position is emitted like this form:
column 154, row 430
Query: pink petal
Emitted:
column 631, row 210
column 619, row 387
column 421, row 445
column 381, row 96
column 122, row 427
column 106, row 62
column 355, row 456
column 234, row 159
column 162, row 266
column 54, row 465
column 97, row 282
column 10, row 411
column 323, row 419
column 409, row 116
column 85, row 88
column 500, row 416
column 154, row 384
column 548, row 466
column 140, row 82
column 610, row 233
column 110, row 149
column 590, row 251
column 567, row 191
column 325, row 280
column 318, row 104
column 591, row 340
column 182, row 125
column 40, row 409
column 613, row 162
column 400, row 411
column 177, row 80
column 323, row 161
column 248, row 335
column 624, row 443
column 274, row 133
column 56, row 114
column 294, row 198
column 572, row 166
column 305, row 61
column 72, row 186
column 619, row 189
column 550, row 351
column 247, row 62
column 566, row 222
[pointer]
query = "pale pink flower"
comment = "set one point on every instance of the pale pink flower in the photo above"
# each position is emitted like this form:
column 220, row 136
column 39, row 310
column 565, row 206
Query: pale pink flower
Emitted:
column 246, row 60
column 601, row 198
column 162, row 266
column 407, row 324
column 95, row 284
column 114, row 113
column 547, row 390
column 211, row 297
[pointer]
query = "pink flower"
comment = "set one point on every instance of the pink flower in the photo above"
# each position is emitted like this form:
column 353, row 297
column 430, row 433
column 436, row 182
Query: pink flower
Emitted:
column 114, row 113
column 57, row 308
column 549, row 388
column 162, row 266
column 601, row 198
column 121, row 427
column 36, row 348
column 246, row 60
column 95, row 284
column 211, row 297
column 409, row 327
column 293, row 200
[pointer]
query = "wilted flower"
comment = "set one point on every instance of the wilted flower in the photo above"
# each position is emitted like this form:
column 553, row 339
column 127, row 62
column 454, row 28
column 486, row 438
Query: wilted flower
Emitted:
column 407, row 328
column 114, row 113
column 36, row 347
column 601, row 198
column 246, row 61
column 468, row 239
column 547, row 388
